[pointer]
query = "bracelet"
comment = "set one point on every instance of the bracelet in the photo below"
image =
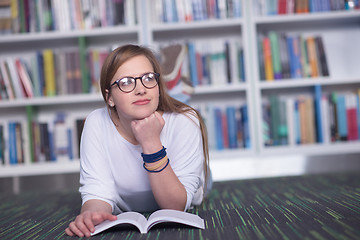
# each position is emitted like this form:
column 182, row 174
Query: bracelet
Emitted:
column 157, row 165
column 154, row 157
column 156, row 171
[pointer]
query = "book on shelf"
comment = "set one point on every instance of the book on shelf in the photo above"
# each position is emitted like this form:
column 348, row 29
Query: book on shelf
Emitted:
column 51, row 72
column 318, row 118
column 145, row 224
column 199, row 10
column 14, row 147
column 220, row 64
column 284, row 56
column 227, row 126
column 57, row 15
column 40, row 140
column 318, row 114
column 279, row 7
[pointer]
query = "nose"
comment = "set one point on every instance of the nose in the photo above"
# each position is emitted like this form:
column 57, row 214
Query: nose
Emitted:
column 140, row 89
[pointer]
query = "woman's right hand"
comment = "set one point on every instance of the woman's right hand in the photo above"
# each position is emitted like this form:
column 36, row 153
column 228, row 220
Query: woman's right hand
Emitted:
column 84, row 224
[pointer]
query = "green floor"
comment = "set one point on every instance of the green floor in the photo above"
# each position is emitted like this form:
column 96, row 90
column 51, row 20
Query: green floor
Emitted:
column 305, row 207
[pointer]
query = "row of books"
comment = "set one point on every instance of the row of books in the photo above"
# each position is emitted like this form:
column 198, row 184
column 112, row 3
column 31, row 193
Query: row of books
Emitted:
column 227, row 126
column 196, row 10
column 20, row 16
column 321, row 118
column 277, row 7
column 42, row 141
column 51, row 72
column 215, row 62
column 284, row 56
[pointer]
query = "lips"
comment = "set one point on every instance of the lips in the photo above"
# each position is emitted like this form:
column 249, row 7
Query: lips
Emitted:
column 142, row 102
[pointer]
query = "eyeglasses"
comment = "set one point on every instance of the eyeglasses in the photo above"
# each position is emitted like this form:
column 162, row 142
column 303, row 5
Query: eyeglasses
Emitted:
column 128, row 84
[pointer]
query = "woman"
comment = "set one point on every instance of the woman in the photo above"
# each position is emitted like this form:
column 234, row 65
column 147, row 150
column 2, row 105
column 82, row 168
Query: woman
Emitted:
column 144, row 151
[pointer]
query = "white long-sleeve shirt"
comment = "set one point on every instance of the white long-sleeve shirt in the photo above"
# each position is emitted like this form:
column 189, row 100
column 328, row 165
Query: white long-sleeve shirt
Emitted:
column 112, row 168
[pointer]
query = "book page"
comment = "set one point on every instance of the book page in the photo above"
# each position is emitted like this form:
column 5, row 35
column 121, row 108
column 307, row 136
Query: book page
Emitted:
column 167, row 215
column 133, row 218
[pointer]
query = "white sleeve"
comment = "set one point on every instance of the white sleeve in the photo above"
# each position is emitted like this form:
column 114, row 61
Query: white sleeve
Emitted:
column 187, row 157
column 95, row 174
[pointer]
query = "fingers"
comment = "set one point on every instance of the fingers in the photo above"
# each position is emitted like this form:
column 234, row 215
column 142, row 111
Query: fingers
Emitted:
column 100, row 217
column 84, row 225
column 79, row 227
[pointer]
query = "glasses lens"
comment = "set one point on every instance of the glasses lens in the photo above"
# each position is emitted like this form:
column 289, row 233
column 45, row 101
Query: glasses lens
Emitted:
column 126, row 84
column 149, row 80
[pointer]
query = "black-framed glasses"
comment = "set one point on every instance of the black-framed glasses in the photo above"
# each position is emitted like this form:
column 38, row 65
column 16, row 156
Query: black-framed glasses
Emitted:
column 128, row 84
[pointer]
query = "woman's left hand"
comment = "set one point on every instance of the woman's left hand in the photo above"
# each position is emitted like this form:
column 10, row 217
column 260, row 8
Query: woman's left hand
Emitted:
column 147, row 132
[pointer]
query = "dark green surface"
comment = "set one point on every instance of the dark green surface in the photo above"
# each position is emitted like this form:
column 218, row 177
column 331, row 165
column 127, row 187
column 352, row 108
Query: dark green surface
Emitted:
column 305, row 207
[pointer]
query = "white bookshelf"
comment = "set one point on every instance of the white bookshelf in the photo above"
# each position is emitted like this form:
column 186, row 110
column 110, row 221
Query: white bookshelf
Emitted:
column 336, row 28
column 340, row 30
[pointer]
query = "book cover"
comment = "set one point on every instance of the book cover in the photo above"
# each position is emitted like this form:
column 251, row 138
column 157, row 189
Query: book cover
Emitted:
column 12, row 143
column 304, row 132
column 313, row 62
column 245, row 126
column 341, row 117
column 192, row 63
column 6, row 80
column 49, row 72
column 322, row 56
column 358, row 110
column 266, row 125
column 268, row 65
column 160, row 216
column 14, row 78
column 218, row 129
column 2, row 144
column 275, row 54
column 297, row 121
column 318, row 115
column 284, row 56
column 290, row 120
column 232, row 128
column 325, row 119
column 283, row 125
column 261, row 58
column 310, row 119
column 24, row 77
column 351, row 115
column 275, row 118
column 333, row 117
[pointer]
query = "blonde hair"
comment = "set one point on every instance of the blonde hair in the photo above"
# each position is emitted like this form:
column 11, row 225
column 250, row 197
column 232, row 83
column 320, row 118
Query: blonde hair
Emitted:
column 166, row 103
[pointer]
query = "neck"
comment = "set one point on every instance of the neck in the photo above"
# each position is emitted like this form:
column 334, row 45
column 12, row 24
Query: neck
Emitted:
column 124, row 128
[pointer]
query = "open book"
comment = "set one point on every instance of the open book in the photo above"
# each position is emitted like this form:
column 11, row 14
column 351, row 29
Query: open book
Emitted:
column 160, row 216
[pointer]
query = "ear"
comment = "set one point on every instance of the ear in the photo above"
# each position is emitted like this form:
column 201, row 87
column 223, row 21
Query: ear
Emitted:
column 109, row 98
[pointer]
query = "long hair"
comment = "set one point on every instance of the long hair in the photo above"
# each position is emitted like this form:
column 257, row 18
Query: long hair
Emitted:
column 166, row 103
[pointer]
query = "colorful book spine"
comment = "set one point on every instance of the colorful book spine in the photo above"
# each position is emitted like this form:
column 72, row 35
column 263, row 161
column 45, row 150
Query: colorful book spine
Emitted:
column 49, row 72
column 275, row 53
column 318, row 116
column 341, row 117
column 268, row 65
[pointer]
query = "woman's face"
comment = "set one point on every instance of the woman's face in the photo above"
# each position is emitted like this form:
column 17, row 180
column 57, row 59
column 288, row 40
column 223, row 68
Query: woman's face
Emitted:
column 142, row 101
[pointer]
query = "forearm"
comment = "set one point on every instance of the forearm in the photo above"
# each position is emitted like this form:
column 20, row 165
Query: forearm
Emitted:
column 95, row 205
column 168, row 190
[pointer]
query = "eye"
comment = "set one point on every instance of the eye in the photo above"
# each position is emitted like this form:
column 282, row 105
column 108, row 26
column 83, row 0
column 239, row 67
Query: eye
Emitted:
column 149, row 77
column 126, row 82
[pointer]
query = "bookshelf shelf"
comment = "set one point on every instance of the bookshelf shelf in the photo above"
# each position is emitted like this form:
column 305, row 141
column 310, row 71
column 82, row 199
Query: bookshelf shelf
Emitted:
column 193, row 25
column 56, row 100
column 47, row 36
column 294, row 83
column 315, row 149
column 200, row 90
column 336, row 29
column 330, row 17
column 34, row 169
